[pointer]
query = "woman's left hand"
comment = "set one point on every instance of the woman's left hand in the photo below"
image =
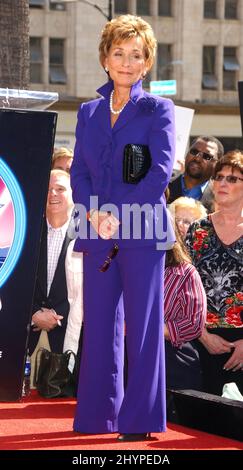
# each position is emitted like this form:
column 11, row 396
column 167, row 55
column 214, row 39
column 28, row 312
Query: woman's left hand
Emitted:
column 166, row 332
column 104, row 223
column 108, row 227
column 235, row 361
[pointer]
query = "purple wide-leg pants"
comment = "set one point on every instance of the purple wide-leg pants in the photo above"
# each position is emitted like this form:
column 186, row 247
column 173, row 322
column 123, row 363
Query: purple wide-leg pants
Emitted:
column 133, row 284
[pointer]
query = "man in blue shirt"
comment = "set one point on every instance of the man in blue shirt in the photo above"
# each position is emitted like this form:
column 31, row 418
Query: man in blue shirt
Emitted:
column 199, row 163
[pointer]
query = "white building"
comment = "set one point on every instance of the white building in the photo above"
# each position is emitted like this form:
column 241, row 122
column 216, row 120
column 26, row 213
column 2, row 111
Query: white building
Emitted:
column 200, row 45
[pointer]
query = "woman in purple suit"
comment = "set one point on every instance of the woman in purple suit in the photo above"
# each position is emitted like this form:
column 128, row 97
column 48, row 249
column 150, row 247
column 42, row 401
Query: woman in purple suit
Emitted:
column 124, row 249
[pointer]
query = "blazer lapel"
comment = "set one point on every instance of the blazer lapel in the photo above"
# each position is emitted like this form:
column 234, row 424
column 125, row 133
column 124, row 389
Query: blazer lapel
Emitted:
column 207, row 198
column 61, row 260
column 102, row 114
column 127, row 115
column 42, row 264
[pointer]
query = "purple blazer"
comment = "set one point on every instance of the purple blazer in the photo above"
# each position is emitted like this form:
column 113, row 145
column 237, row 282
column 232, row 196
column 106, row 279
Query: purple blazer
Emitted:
column 97, row 168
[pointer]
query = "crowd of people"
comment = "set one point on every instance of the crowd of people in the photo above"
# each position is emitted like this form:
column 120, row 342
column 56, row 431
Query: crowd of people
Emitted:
column 180, row 308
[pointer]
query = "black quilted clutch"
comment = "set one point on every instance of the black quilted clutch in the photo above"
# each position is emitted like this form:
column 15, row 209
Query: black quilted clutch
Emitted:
column 136, row 162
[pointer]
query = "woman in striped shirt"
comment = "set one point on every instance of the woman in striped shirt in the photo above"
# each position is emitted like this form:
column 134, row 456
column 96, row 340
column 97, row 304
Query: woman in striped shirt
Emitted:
column 185, row 313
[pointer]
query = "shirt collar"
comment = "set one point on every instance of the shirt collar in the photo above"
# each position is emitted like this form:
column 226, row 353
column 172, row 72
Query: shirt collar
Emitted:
column 63, row 228
column 204, row 185
column 199, row 187
column 136, row 90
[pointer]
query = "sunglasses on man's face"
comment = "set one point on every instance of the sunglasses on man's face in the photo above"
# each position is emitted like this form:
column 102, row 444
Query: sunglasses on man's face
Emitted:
column 206, row 156
column 229, row 178
column 111, row 255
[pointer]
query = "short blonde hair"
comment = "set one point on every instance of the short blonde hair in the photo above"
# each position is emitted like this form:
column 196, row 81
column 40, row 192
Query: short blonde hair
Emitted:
column 195, row 206
column 123, row 28
column 62, row 152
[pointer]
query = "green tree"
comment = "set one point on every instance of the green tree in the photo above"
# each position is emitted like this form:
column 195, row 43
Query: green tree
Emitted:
column 14, row 44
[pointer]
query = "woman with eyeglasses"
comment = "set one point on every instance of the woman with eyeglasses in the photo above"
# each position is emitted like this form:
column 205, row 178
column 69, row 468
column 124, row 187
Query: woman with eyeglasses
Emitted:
column 123, row 269
column 216, row 247
column 186, row 210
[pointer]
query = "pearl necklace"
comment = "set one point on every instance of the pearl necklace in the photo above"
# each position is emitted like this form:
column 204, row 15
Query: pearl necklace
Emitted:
column 111, row 106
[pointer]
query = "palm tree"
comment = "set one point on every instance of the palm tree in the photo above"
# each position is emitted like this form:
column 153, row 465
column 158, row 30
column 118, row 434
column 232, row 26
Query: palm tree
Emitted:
column 14, row 44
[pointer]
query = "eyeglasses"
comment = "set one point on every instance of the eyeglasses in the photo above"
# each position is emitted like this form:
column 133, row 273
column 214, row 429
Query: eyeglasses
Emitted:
column 206, row 156
column 112, row 254
column 229, row 178
column 183, row 221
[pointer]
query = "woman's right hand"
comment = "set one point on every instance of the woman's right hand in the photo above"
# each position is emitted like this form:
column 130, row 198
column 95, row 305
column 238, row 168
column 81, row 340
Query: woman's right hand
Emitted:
column 214, row 343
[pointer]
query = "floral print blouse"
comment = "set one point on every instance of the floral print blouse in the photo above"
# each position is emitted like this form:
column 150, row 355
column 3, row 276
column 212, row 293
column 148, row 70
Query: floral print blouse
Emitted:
column 221, row 269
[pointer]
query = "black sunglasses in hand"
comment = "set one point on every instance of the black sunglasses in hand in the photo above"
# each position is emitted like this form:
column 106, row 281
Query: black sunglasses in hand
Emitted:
column 206, row 156
column 111, row 255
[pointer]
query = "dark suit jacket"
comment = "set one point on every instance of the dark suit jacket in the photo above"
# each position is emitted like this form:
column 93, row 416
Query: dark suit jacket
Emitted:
column 57, row 298
column 207, row 198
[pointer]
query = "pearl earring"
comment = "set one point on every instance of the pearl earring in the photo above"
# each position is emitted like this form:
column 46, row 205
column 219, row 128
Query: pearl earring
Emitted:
column 106, row 69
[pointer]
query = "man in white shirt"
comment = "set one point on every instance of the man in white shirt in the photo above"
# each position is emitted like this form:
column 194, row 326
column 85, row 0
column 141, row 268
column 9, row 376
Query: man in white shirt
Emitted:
column 57, row 311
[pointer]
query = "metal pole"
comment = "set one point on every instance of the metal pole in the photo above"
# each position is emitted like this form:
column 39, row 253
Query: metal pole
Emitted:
column 110, row 10
column 108, row 16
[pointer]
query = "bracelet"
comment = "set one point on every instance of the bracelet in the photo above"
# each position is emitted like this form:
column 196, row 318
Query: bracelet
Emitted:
column 90, row 214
